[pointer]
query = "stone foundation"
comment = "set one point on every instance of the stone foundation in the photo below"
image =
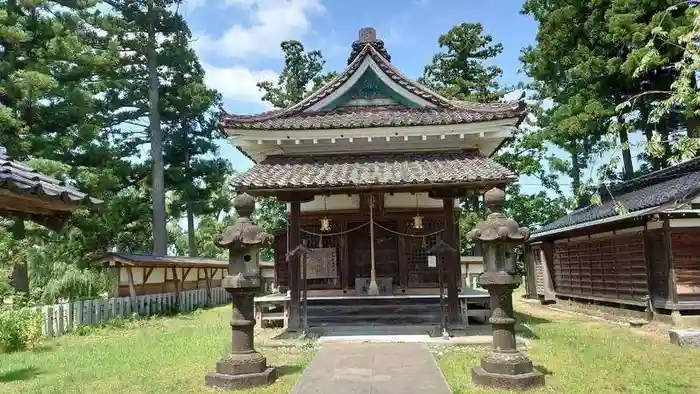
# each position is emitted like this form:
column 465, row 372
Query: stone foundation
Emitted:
column 237, row 382
column 685, row 338
column 241, row 371
column 533, row 379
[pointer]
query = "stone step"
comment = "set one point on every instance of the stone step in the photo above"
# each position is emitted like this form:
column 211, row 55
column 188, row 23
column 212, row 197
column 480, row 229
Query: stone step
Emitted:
column 326, row 310
column 374, row 319
column 374, row 301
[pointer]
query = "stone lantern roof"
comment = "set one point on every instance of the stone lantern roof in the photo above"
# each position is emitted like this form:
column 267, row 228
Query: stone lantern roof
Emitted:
column 497, row 227
column 244, row 233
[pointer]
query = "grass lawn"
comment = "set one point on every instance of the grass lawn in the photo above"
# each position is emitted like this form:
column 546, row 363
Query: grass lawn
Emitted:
column 156, row 356
column 581, row 355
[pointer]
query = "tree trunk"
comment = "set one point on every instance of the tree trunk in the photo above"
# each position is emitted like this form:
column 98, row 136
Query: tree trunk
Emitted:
column 576, row 177
column 20, row 271
column 160, row 233
column 191, row 239
column 628, row 172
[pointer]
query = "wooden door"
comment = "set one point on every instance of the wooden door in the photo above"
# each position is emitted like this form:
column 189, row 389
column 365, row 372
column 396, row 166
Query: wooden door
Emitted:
column 385, row 252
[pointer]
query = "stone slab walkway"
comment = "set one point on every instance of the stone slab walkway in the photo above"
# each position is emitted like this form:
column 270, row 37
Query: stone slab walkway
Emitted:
column 377, row 368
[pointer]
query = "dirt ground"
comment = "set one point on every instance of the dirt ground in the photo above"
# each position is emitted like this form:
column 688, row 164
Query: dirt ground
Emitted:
column 656, row 330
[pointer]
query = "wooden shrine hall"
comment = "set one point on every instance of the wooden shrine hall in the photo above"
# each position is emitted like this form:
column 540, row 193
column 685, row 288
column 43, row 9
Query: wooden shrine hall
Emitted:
column 371, row 167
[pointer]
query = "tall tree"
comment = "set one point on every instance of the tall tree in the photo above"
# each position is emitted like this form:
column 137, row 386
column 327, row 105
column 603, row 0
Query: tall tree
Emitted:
column 460, row 71
column 140, row 30
column 195, row 174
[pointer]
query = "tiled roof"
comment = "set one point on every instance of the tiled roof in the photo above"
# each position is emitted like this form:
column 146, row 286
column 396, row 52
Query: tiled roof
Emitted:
column 358, row 117
column 346, row 170
column 147, row 260
column 446, row 111
column 672, row 185
column 20, row 178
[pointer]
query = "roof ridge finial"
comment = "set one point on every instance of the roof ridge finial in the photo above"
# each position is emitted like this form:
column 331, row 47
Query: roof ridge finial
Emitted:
column 368, row 36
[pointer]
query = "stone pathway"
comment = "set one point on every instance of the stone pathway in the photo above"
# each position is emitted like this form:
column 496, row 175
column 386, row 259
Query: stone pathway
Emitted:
column 377, row 368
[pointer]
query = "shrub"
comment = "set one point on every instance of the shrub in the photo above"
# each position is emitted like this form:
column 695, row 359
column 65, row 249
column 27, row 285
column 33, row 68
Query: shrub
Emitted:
column 20, row 329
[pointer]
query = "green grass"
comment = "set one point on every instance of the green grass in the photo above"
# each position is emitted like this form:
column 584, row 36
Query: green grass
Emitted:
column 159, row 355
column 580, row 355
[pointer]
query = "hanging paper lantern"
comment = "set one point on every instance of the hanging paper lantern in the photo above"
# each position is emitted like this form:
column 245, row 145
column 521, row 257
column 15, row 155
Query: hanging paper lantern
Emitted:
column 325, row 224
column 418, row 222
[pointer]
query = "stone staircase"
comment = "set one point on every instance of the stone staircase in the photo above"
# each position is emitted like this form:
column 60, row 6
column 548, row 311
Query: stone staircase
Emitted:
column 373, row 311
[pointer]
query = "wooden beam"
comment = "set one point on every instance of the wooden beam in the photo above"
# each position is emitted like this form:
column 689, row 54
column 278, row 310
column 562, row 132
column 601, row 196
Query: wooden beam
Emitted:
column 668, row 249
column 443, row 193
column 294, row 196
column 402, row 257
column 293, row 267
column 344, row 257
column 132, row 291
column 147, row 274
column 647, row 258
column 185, row 273
column 30, row 203
column 207, row 278
column 452, row 272
column 177, row 288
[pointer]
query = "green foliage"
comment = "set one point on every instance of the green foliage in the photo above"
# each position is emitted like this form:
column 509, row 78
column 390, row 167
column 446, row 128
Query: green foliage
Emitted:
column 610, row 69
column 300, row 69
column 459, row 72
column 73, row 101
column 20, row 329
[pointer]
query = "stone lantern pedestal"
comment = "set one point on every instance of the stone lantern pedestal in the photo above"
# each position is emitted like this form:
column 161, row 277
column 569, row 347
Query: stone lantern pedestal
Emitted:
column 244, row 367
column 504, row 367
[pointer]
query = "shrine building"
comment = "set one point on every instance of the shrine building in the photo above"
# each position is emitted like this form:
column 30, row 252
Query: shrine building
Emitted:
column 371, row 167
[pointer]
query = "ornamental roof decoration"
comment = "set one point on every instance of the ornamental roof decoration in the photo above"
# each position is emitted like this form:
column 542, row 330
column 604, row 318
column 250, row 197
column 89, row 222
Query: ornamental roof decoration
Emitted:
column 383, row 97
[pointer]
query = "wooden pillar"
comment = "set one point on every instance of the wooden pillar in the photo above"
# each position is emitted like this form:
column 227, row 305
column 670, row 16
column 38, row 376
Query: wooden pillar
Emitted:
column 344, row 258
column 403, row 262
column 293, row 268
column 132, row 291
column 176, row 282
column 451, row 260
column 668, row 249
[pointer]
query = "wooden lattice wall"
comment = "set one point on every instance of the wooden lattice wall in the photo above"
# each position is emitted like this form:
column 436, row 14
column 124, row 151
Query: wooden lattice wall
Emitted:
column 416, row 252
column 686, row 264
column 403, row 258
column 612, row 268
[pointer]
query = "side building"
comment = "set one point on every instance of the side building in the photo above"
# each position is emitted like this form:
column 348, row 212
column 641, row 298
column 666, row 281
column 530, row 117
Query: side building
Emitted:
column 639, row 249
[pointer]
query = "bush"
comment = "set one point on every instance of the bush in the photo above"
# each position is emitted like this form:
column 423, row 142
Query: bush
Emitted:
column 20, row 329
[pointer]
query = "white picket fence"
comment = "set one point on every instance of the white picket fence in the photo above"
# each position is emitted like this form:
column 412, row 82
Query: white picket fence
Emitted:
column 62, row 318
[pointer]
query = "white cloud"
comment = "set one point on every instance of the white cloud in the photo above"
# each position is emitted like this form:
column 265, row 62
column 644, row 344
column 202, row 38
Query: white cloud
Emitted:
column 238, row 83
column 269, row 23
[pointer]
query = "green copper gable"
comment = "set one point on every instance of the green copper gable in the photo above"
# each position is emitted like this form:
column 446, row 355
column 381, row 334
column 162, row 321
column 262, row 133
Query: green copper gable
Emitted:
column 370, row 90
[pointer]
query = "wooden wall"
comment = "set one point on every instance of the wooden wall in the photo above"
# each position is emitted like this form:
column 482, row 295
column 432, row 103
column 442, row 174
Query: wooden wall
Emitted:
column 611, row 267
column 160, row 280
column 685, row 246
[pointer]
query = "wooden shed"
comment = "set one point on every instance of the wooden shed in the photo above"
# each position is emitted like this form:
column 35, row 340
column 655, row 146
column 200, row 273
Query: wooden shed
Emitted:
column 642, row 244
column 140, row 274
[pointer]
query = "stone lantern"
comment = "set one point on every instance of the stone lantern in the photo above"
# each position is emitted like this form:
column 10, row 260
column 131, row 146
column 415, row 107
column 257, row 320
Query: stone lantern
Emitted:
column 243, row 367
column 504, row 367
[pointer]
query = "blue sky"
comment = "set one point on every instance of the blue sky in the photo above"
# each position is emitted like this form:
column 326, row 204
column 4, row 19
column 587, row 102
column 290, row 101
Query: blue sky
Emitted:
column 238, row 40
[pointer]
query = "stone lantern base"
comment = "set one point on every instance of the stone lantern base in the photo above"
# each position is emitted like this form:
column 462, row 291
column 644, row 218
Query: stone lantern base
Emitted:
column 240, row 372
column 507, row 371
